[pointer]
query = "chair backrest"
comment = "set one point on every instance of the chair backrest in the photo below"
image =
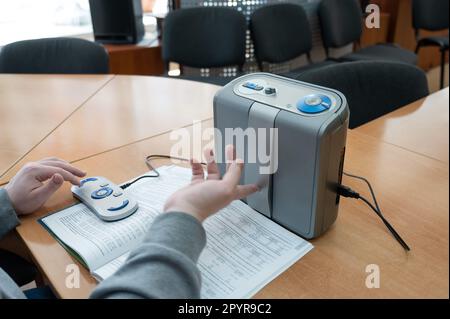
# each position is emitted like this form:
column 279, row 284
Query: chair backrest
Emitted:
column 430, row 14
column 54, row 55
column 280, row 32
column 340, row 21
column 372, row 88
column 204, row 37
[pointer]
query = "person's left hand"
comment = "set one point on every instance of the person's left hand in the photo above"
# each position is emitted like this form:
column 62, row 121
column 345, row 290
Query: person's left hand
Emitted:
column 206, row 195
column 37, row 181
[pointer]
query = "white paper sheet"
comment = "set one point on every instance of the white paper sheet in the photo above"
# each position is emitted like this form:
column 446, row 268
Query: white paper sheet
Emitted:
column 244, row 251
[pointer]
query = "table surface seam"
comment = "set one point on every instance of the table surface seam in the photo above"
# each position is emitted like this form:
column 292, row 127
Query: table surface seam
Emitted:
column 401, row 147
column 117, row 147
column 65, row 119
column 135, row 142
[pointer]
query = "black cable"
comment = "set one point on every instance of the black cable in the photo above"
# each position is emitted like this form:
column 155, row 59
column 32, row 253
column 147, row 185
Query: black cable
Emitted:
column 346, row 191
column 388, row 225
column 368, row 184
column 126, row 185
column 149, row 158
column 153, row 169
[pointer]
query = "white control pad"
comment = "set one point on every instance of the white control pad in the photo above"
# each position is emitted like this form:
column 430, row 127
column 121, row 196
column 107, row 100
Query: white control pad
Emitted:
column 106, row 199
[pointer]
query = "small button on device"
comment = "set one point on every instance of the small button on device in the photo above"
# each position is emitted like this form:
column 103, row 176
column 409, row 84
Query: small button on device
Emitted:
column 252, row 86
column 117, row 194
column 123, row 205
column 104, row 185
column 87, row 180
column 270, row 91
column 314, row 103
column 313, row 100
column 101, row 193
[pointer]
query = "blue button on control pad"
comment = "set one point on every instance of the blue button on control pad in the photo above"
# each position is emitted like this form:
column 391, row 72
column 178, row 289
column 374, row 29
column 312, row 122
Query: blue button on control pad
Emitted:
column 101, row 193
column 123, row 205
column 90, row 179
column 252, row 86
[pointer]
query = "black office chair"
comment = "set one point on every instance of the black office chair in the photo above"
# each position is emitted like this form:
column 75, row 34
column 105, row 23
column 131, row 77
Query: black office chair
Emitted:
column 432, row 15
column 281, row 32
column 341, row 25
column 372, row 88
column 205, row 37
column 54, row 55
column 20, row 270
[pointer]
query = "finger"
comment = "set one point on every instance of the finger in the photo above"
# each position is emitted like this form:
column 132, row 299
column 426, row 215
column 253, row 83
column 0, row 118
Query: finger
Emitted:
column 230, row 154
column 52, row 158
column 211, row 165
column 233, row 174
column 64, row 165
column 45, row 172
column 197, row 171
column 43, row 193
column 245, row 190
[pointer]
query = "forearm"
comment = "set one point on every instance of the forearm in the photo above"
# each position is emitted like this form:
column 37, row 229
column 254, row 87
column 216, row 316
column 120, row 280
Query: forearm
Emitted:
column 164, row 265
column 8, row 217
column 8, row 221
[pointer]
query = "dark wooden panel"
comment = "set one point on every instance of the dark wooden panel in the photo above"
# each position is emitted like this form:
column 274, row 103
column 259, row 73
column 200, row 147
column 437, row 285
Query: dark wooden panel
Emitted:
column 135, row 59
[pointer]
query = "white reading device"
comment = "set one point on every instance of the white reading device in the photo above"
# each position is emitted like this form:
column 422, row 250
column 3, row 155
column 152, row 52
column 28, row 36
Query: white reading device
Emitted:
column 106, row 199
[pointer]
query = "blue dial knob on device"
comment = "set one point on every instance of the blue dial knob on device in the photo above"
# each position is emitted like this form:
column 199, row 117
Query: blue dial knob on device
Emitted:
column 314, row 103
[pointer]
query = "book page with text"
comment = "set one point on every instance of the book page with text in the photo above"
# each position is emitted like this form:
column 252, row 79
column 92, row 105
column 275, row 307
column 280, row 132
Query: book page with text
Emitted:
column 244, row 250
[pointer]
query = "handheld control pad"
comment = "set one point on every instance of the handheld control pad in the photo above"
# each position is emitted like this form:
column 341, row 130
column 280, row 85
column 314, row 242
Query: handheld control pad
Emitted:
column 106, row 199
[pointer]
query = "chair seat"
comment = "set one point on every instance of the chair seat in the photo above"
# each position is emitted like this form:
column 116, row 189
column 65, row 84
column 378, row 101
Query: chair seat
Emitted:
column 293, row 74
column 382, row 52
column 440, row 41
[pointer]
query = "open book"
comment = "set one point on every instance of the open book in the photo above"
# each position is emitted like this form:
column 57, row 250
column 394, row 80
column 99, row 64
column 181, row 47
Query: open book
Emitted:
column 244, row 251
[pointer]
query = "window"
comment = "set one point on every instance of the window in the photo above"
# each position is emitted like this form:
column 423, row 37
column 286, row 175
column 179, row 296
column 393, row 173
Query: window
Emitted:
column 31, row 19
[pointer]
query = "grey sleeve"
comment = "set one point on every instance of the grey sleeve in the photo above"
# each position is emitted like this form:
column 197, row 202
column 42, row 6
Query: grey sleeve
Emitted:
column 164, row 265
column 8, row 216
column 8, row 288
column 8, row 221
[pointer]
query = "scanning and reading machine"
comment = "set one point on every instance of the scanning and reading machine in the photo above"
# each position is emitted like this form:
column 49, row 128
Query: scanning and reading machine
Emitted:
column 304, row 128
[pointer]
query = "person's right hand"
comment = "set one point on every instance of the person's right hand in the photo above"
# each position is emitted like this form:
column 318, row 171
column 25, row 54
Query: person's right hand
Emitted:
column 37, row 181
column 204, row 197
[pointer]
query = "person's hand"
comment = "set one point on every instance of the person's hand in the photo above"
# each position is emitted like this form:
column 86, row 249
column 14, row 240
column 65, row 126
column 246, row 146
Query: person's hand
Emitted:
column 203, row 197
column 37, row 181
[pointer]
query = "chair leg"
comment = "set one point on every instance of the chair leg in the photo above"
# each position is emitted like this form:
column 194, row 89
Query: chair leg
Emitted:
column 416, row 51
column 308, row 56
column 260, row 66
column 40, row 281
column 442, row 68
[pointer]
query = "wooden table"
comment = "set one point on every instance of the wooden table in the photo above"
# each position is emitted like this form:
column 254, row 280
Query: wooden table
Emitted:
column 412, row 189
column 420, row 127
column 32, row 106
column 127, row 109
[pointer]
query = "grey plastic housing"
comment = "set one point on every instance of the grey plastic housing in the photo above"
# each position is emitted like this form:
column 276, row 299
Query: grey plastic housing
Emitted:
column 301, row 193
